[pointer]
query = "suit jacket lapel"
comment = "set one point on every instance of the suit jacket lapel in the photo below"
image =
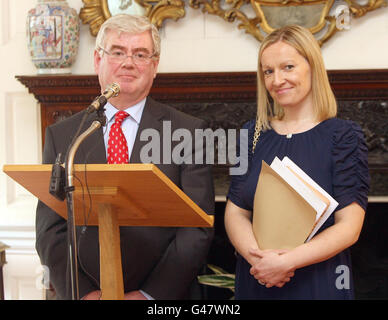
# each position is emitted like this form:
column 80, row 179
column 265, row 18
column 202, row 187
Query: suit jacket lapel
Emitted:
column 93, row 148
column 151, row 118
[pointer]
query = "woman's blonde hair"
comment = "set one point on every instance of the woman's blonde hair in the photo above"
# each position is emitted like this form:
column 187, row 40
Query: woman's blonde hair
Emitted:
column 304, row 42
column 132, row 24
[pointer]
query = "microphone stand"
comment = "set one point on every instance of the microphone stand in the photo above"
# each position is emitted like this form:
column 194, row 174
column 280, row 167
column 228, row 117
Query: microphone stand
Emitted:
column 71, row 229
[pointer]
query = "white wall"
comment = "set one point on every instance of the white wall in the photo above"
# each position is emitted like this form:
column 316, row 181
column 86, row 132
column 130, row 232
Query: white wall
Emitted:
column 197, row 43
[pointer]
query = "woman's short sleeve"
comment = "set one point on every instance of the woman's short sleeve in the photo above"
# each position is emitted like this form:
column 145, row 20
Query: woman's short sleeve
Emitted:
column 351, row 174
column 237, row 182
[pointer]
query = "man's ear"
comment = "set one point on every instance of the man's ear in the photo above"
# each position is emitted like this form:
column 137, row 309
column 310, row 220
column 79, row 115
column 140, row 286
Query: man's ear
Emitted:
column 97, row 61
column 156, row 63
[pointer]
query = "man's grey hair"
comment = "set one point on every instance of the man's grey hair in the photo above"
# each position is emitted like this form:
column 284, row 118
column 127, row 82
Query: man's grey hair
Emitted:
column 132, row 24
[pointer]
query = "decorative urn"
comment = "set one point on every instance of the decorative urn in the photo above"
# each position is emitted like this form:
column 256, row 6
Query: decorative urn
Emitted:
column 53, row 36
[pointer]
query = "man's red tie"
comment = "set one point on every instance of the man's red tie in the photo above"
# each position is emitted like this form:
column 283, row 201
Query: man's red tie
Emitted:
column 117, row 144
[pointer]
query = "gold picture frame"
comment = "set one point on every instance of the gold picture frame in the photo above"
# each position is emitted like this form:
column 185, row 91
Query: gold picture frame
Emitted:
column 321, row 17
column 95, row 12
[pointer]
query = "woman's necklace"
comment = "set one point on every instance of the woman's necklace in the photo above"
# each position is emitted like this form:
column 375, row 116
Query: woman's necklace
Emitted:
column 301, row 126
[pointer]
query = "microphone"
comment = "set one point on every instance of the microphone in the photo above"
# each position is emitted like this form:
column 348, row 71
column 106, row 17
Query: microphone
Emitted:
column 57, row 180
column 112, row 90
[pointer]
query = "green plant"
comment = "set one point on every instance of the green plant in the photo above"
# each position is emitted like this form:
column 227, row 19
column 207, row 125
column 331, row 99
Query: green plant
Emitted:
column 220, row 278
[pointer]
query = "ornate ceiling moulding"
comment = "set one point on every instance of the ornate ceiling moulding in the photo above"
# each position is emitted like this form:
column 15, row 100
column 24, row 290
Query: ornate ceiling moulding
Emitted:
column 260, row 17
column 95, row 12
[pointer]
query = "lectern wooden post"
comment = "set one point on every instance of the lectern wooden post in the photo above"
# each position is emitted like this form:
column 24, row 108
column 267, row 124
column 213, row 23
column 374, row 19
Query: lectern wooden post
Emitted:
column 110, row 254
column 122, row 195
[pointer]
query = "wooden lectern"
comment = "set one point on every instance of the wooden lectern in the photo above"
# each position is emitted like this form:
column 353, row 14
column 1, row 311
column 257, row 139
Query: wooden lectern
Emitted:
column 121, row 195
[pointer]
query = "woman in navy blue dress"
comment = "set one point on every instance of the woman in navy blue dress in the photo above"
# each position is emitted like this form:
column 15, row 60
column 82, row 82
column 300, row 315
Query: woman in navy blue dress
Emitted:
column 302, row 125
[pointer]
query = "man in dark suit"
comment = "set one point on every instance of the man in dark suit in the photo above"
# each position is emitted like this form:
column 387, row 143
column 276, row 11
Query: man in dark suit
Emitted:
column 159, row 263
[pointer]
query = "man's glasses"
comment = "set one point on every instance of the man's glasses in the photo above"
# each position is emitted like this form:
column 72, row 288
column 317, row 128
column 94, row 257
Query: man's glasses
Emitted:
column 119, row 56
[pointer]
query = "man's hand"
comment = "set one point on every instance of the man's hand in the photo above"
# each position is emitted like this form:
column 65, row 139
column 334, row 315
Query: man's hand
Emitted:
column 94, row 295
column 134, row 295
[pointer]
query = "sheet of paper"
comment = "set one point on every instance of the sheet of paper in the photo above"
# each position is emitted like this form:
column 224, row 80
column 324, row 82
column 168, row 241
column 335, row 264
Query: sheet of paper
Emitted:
column 280, row 168
column 333, row 203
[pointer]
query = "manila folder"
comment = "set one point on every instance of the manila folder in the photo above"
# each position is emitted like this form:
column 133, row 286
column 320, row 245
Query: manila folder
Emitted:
column 282, row 219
